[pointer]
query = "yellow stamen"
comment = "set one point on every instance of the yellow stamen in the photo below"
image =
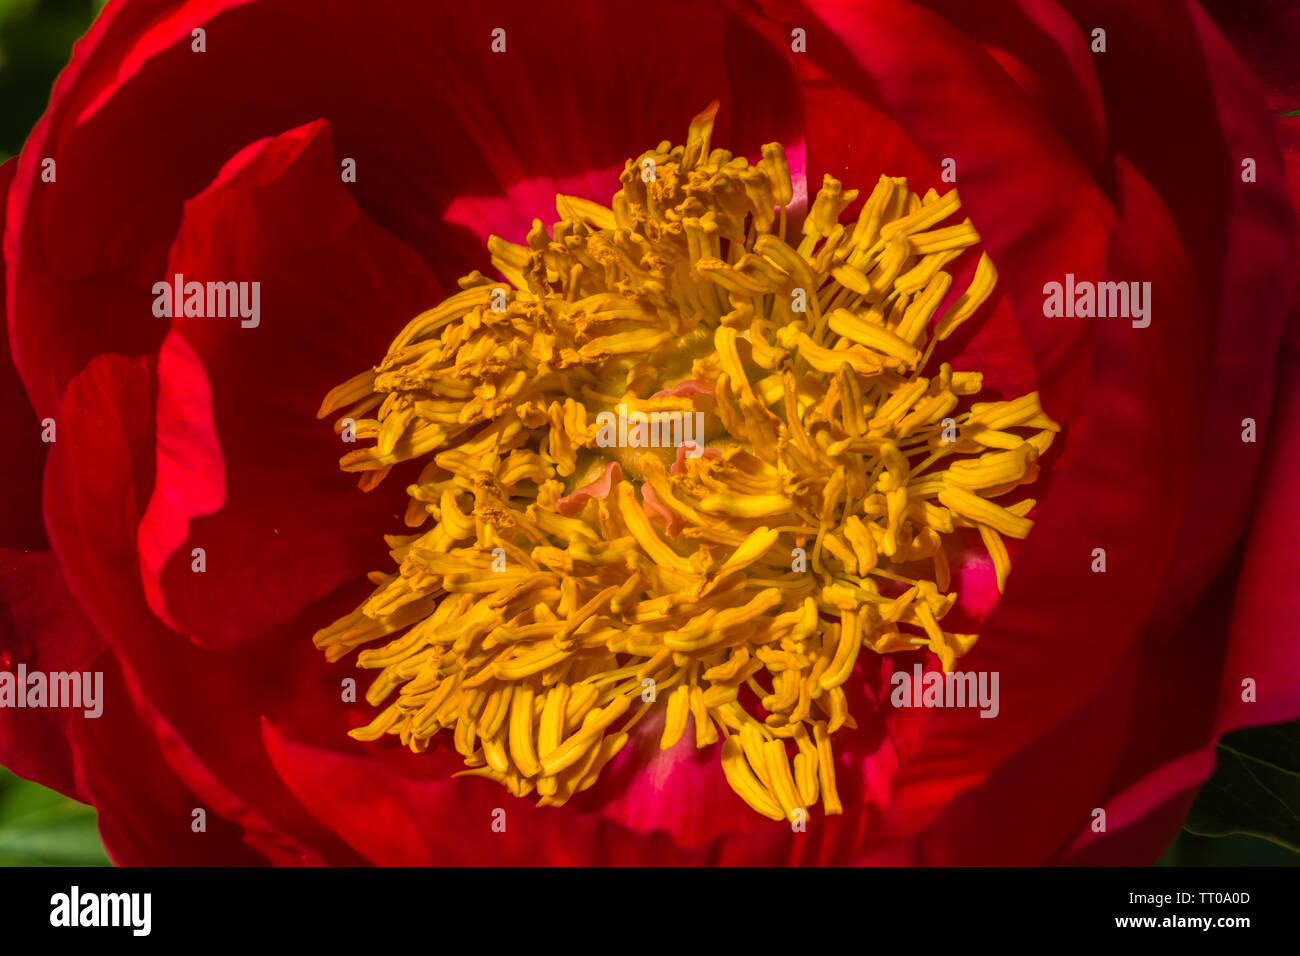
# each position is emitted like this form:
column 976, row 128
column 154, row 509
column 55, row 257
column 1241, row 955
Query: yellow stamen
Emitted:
column 527, row 619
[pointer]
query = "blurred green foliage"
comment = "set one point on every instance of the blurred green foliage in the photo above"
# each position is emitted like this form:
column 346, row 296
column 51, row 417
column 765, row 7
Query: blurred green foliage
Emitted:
column 39, row 827
column 36, row 38
column 1247, row 814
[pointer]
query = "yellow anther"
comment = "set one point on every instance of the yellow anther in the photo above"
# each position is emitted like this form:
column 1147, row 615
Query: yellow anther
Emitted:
column 564, row 585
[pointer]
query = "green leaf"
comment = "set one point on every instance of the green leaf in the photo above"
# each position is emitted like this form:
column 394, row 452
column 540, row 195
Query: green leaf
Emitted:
column 1236, row 850
column 40, row 827
column 1255, row 789
column 1290, row 113
column 14, row 9
column 35, row 41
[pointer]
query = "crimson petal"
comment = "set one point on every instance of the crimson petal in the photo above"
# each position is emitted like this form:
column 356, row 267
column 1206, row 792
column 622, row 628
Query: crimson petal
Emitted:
column 245, row 470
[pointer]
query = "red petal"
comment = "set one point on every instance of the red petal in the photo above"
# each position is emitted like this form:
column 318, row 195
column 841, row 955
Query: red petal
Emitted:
column 45, row 630
column 1143, row 821
column 471, row 124
column 20, row 434
column 1046, row 53
column 245, row 469
column 1185, row 113
column 1046, row 220
column 1125, row 752
column 393, row 818
column 105, row 431
column 109, row 760
column 146, row 812
column 1265, row 644
column 190, row 478
column 1267, row 36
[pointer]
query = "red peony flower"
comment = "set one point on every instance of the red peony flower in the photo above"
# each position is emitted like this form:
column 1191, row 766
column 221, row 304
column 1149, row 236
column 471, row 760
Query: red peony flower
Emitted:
column 184, row 528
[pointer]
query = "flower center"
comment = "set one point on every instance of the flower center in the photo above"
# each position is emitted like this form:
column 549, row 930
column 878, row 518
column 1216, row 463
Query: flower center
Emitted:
column 568, row 586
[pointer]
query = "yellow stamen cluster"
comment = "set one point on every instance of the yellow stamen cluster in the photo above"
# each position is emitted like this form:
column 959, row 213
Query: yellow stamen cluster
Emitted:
column 738, row 589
